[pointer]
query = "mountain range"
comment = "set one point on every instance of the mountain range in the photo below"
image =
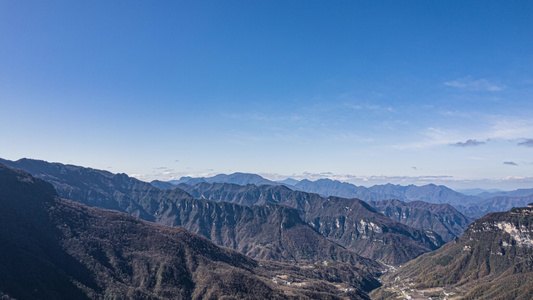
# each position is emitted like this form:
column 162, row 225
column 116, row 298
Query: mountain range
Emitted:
column 326, row 187
column 363, row 230
column 494, row 204
column 472, row 206
column 54, row 248
column 263, row 232
column 350, row 222
column 160, row 240
column 235, row 178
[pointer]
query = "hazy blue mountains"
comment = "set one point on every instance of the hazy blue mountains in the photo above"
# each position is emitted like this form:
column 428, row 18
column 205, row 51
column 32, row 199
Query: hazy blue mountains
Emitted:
column 428, row 193
column 515, row 193
column 235, row 178
column 494, row 204
column 326, row 187
column 472, row 206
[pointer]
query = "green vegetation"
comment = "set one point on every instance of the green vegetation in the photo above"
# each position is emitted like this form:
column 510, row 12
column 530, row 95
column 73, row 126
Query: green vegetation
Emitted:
column 444, row 260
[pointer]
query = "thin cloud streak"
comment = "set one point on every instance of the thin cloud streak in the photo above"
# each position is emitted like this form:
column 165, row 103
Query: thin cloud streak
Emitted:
column 491, row 128
column 475, row 85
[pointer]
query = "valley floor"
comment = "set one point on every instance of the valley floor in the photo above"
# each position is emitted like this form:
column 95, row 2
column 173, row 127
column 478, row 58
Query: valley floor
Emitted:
column 403, row 288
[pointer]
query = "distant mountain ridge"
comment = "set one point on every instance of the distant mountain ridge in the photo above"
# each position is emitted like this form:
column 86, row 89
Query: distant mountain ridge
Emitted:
column 472, row 206
column 326, row 187
column 235, row 178
column 515, row 193
column 428, row 193
column 494, row 204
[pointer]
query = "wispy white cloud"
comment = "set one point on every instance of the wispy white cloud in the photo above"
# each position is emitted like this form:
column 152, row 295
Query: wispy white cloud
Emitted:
column 477, row 158
column 484, row 129
column 475, row 85
column 432, row 137
column 366, row 106
column 511, row 128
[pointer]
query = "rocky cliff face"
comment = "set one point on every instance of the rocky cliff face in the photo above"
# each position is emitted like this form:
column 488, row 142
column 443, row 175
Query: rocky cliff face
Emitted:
column 357, row 226
column 264, row 232
column 443, row 219
column 493, row 259
column 349, row 222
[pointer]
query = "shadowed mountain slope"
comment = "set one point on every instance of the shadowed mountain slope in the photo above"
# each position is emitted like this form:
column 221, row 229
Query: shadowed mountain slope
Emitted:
column 58, row 249
column 267, row 232
column 443, row 219
column 493, row 259
column 54, row 248
column 349, row 222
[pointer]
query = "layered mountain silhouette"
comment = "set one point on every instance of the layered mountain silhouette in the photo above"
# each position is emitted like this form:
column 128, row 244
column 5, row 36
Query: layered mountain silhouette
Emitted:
column 443, row 219
column 350, row 222
column 494, row 204
column 54, row 248
column 515, row 193
column 235, row 178
column 472, row 206
column 428, row 193
column 353, row 224
column 493, row 259
column 264, row 232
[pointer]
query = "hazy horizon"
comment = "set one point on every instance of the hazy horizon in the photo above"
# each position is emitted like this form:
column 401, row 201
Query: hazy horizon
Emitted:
column 364, row 92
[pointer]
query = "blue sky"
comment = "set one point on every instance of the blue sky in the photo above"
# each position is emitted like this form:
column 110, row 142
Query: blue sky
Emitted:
column 363, row 91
